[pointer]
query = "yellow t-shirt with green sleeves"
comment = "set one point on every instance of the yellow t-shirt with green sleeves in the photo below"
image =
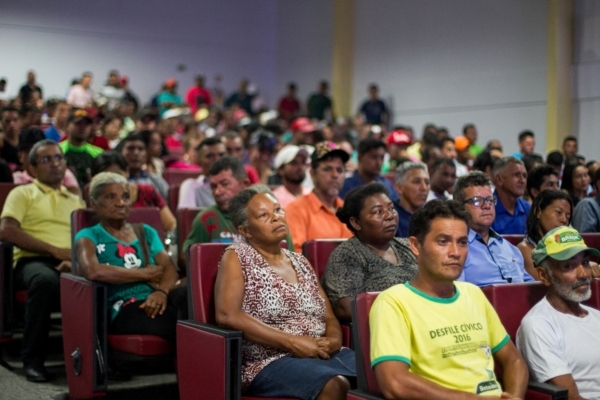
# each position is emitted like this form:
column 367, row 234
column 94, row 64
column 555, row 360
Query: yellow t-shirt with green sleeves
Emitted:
column 43, row 213
column 447, row 341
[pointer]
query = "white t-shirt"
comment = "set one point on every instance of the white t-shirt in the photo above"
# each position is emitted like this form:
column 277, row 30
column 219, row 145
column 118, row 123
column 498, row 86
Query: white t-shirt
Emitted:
column 554, row 344
column 80, row 97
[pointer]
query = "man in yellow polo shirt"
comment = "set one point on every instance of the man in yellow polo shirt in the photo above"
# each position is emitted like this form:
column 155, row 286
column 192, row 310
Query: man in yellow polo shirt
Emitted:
column 36, row 218
column 434, row 338
column 312, row 216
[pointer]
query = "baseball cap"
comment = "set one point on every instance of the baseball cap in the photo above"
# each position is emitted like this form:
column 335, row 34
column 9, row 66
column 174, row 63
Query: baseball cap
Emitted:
column 77, row 114
column 303, row 125
column 561, row 244
column 328, row 149
column 28, row 137
column 399, row 137
column 264, row 140
column 461, row 143
column 287, row 154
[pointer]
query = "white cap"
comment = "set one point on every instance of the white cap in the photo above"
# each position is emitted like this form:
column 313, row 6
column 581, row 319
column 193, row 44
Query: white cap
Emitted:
column 287, row 155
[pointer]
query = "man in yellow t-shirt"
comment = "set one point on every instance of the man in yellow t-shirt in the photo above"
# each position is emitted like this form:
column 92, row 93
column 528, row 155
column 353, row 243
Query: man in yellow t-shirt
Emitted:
column 434, row 338
column 36, row 218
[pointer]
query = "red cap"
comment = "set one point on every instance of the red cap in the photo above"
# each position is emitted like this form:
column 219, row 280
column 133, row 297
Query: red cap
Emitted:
column 303, row 125
column 399, row 137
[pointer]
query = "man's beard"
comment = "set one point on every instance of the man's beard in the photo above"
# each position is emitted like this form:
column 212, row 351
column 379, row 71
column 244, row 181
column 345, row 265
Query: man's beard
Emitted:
column 295, row 180
column 567, row 290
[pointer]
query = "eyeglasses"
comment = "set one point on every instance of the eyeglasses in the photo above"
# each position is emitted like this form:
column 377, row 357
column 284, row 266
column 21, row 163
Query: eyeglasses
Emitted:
column 47, row 159
column 477, row 201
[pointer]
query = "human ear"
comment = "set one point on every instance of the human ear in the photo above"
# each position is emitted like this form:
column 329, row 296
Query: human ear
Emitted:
column 355, row 224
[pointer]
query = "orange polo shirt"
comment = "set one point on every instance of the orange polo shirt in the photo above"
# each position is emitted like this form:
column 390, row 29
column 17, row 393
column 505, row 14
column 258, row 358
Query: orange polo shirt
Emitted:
column 308, row 218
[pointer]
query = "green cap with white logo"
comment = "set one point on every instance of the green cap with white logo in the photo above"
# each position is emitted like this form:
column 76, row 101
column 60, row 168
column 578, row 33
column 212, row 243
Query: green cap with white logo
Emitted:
column 561, row 244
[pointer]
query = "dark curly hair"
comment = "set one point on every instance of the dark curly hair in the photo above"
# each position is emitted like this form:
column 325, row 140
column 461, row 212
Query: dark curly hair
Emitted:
column 355, row 201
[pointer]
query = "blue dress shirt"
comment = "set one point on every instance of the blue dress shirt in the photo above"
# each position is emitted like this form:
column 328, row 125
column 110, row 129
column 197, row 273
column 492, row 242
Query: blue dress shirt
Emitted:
column 355, row 181
column 494, row 263
column 506, row 223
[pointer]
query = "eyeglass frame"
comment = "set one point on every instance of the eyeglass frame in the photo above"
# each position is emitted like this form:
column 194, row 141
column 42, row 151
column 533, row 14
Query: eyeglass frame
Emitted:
column 491, row 200
column 49, row 159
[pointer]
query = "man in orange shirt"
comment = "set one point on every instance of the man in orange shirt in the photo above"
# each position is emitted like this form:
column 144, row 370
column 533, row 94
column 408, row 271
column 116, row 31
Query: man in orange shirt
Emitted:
column 312, row 216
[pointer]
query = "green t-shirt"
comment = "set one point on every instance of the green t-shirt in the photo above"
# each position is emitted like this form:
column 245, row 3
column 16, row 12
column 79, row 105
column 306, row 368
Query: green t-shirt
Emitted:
column 214, row 226
column 475, row 150
column 112, row 251
column 81, row 159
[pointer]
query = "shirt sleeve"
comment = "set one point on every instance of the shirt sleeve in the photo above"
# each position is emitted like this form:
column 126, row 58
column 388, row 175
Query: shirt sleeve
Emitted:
column 86, row 233
column 585, row 218
column 69, row 180
column 390, row 331
column 296, row 219
column 16, row 204
column 155, row 244
column 542, row 347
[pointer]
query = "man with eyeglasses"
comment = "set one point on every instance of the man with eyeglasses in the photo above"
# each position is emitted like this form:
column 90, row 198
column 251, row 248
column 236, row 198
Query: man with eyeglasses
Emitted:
column 491, row 259
column 36, row 218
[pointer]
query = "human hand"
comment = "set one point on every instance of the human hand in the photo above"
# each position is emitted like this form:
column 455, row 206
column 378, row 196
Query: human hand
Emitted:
column 328, row 344
column 64, row 266
column 307, row 347
column 506, row 395
column 62, row 254
column 154, row 273
column 595, row 270
column 155, row 304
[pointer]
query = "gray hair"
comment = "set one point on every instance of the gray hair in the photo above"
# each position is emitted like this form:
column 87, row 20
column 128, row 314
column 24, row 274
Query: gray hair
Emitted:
column 238, row 206
column 473, row 178
column 502, row 163
column 101, row 180
column 403, row 169
column 36, row 147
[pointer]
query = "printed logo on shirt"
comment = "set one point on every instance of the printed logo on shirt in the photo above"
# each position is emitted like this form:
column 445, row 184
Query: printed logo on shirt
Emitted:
column 127, row 253
column 486, row 386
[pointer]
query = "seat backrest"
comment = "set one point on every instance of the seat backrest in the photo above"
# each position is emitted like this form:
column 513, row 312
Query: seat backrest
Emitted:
column 5, row 188
column 513, row 239
column 594, row 300
column 361, row 335
column 512, row 301
column 177, row 176
column 317, row 252
column 173, row 199
column 185, row 219
column 203, row 264
column 86, row 217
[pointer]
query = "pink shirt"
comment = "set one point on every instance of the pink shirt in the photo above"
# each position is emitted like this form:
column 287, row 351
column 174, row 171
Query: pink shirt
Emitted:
column 22, row 177
column 285, row 197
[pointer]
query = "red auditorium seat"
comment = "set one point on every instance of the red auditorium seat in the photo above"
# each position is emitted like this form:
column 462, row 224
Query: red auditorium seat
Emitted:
column 513, row 239
column 177, row 176
column 204, row 349
column 367, row 382
column 173, row 199
column 317, row 252
column 85, row 319
column 594, row 301
column 185, row 219
column 511, row 302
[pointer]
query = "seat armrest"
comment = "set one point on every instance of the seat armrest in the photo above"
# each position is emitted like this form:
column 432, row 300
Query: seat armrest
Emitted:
column 358, row 394
column 212, row 353
column 84, row 320
column 545, row 391
column 347, row 334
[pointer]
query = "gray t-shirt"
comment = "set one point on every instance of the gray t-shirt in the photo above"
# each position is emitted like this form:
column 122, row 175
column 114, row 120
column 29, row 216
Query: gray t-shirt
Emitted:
column 354, row 268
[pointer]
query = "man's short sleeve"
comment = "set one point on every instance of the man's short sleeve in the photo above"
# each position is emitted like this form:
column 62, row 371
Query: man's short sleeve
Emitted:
column 542, row 349
column 16, row 204
column 390, row 331
column 498, row 335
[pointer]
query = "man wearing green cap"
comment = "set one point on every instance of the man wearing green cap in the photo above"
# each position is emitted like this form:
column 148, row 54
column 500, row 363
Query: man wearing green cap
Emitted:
column 559, row 336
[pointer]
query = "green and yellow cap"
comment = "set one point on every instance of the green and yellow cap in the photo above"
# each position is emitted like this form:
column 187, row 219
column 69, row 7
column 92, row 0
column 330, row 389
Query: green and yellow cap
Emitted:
column 561, row 244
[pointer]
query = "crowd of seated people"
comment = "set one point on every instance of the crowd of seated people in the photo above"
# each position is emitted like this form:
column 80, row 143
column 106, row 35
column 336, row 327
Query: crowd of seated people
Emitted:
column 379, row 186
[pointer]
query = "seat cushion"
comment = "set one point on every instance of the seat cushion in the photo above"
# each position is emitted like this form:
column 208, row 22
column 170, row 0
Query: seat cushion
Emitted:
column 141, row 345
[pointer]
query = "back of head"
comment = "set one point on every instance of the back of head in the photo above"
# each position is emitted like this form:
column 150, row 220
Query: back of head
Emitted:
column 555, row 158
column 355, row 201
column 473, row 178
column 532, row 160
column 420, row 222
column 229, row 164
column 106, row 160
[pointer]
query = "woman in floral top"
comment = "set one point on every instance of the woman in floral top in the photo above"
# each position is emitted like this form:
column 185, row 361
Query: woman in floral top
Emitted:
column 292, row 339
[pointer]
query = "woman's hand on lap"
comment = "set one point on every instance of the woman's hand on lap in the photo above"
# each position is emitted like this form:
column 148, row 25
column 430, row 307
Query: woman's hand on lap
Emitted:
column 329, row 345
column 155, row 304
column 307, row 347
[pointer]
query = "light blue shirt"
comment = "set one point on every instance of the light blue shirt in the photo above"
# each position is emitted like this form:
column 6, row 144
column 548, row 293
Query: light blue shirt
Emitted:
column 495, row 263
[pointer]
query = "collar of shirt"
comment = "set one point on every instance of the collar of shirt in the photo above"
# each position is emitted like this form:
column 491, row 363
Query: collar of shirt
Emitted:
column 500, row 209
column 492, row 235
column 47, row 189
column 316, row 204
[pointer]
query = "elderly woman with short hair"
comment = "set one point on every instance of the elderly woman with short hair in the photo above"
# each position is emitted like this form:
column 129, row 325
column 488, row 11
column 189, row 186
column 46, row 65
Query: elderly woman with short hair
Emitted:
column 132, row 260
column 292, row 345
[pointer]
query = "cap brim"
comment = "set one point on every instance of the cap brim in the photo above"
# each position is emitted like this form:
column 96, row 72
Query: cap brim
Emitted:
column 334, row 153
column 571, row 252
